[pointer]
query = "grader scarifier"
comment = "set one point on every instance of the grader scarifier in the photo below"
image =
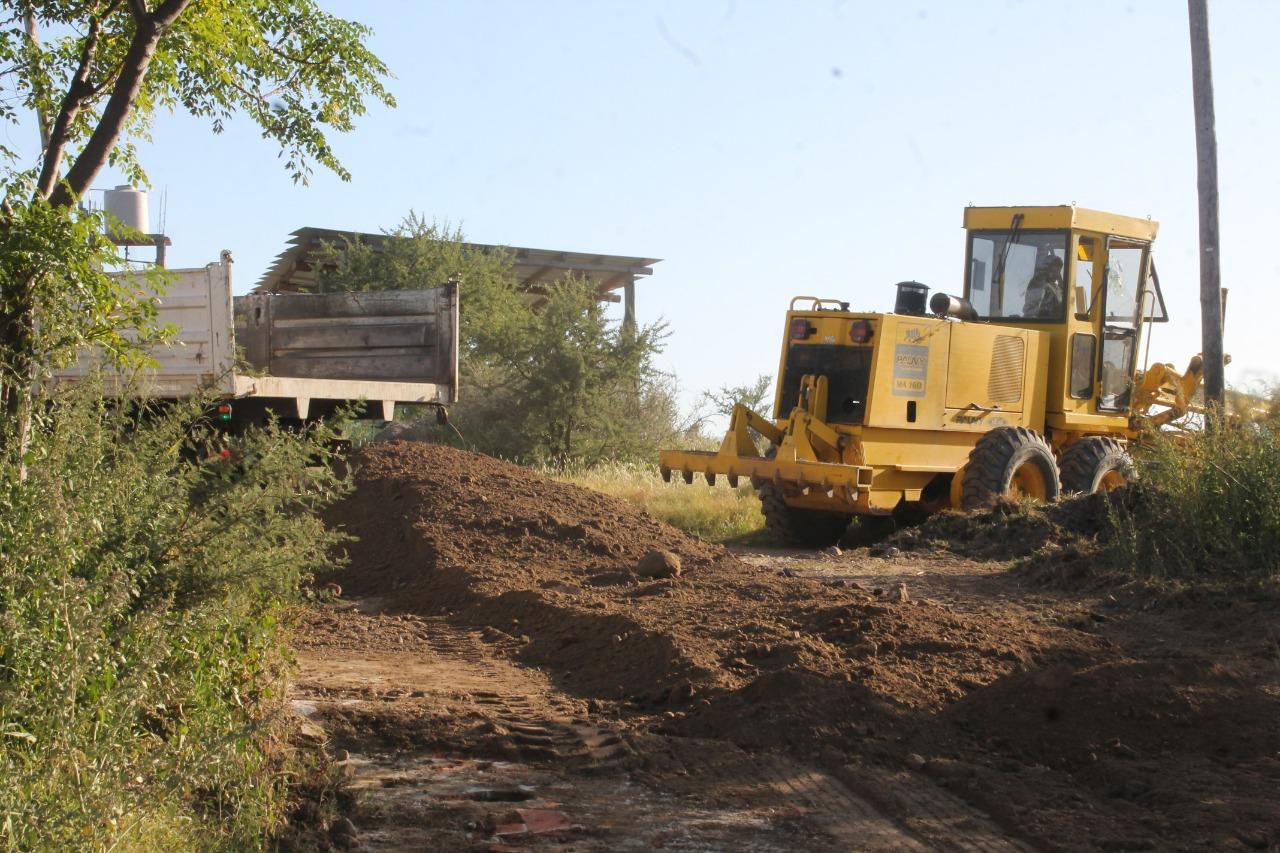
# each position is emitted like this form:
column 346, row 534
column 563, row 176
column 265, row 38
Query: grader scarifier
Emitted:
column 1027, row 385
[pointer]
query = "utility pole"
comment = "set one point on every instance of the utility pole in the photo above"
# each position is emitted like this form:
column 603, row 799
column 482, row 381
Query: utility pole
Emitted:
column 1207, row 183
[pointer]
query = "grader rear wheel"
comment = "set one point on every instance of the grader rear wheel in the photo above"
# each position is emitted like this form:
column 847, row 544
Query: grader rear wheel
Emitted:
column 1095, row 464
column 807, row 528
column 1010, row 462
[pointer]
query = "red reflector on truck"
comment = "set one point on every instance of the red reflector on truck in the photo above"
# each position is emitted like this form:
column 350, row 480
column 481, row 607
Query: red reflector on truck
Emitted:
column 860, row 332
column 800, row 329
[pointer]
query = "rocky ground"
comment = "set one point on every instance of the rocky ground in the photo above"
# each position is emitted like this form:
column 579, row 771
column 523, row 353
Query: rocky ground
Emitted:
column 506, row 670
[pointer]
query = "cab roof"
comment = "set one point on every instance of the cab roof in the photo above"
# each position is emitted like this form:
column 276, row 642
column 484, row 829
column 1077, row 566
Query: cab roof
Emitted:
column 1061, row 217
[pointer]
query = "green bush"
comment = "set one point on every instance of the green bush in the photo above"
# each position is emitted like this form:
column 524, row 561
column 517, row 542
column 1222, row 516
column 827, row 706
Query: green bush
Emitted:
column 1207, row 505
column 142, row 578
column 547, row 375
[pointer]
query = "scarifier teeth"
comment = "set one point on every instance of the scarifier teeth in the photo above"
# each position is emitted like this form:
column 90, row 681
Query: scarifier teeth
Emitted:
column 733, row 481
column 666, row 475
column 711, row 478
column 687, row 475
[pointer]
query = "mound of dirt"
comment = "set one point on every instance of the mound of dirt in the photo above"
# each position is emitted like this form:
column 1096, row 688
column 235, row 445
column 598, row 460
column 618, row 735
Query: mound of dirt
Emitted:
column 1010, row 531
column 1010, row 707
column 550, row 570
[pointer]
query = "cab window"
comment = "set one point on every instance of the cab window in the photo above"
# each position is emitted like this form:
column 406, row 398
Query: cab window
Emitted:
column 1086, row 291
column 1018, row 275
column 1126, row 275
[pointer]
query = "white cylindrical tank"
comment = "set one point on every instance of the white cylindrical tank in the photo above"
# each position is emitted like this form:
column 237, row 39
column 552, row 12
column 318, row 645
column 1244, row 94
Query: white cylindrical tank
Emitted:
column 128, row 205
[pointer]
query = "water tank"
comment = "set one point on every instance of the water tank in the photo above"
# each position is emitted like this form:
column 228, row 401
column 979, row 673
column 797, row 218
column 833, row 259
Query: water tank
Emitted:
column 128, row 205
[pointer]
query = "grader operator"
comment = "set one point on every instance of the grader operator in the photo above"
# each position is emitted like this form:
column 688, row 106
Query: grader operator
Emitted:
column 1026, row 386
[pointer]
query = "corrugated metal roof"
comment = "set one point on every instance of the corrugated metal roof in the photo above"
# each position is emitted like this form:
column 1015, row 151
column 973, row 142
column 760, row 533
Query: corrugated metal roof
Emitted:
column 294, row 268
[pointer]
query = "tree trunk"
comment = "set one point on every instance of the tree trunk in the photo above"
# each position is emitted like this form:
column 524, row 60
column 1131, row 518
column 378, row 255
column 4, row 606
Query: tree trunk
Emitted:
column 18, row 370
column 1207, row 183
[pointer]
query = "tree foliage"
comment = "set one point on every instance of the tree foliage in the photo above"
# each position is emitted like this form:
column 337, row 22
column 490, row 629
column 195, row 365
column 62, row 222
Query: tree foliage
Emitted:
column 419, row 253
column 109, row 66
column 142, row 583
column 546, row 376
column 754, row 395
column 94, row 75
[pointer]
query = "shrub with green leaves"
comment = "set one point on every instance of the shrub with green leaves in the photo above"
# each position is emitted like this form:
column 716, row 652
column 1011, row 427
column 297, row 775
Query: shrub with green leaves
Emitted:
column 144, row 564
column 556, row 380
column 1207, row 506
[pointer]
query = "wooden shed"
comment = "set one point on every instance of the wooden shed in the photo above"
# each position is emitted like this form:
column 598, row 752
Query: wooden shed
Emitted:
column 613, row 275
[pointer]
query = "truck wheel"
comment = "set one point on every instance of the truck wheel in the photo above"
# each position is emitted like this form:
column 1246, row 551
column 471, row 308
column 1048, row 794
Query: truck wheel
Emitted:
column 1010, row 462
column 806, row 528
column 1095, row 464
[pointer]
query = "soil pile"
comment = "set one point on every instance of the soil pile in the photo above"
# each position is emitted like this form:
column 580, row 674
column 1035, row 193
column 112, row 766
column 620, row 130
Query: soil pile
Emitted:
column 550, row 570
column 1055, row 539
column 1059, row 732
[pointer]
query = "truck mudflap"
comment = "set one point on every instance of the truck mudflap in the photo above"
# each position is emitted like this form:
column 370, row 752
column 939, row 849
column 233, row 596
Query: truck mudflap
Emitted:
column 789, row 466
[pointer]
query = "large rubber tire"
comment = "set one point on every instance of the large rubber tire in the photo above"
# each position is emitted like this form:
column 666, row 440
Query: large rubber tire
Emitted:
column 805, row 528
column 1010, row 462
column 1095, row 464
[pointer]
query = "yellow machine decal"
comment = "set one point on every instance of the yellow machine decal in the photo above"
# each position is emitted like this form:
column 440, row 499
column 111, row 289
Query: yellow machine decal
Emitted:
column 910, row 370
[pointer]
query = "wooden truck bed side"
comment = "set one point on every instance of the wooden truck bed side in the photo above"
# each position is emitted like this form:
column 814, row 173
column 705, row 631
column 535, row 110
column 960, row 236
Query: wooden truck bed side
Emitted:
column 298, row 350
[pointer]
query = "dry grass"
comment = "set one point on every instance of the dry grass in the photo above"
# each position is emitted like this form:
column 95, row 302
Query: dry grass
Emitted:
column 716, row 513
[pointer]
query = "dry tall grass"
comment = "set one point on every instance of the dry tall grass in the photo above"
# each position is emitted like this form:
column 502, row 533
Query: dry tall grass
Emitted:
column 716, row 513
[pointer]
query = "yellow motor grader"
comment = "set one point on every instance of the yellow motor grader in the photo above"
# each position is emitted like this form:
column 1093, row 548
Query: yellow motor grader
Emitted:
column 1027, row 385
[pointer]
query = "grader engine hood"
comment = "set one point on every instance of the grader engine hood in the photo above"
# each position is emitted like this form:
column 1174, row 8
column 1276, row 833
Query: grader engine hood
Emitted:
column 939, row 374
column 852, row 390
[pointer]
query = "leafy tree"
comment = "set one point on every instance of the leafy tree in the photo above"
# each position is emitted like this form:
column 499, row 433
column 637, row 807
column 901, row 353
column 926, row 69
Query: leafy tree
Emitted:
column 418, row 253
column 715, row 407
column 581, row 379
column 558, row 382
column 95, row 88
column 754, row 395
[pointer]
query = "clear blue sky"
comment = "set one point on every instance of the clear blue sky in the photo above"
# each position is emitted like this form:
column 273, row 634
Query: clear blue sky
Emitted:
column 771, row 149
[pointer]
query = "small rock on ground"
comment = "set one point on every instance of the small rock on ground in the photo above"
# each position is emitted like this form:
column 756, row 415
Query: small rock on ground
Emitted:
column 659, row 564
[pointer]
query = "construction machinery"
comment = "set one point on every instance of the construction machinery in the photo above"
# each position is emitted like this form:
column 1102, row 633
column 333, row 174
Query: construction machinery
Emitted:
column 1028, row 384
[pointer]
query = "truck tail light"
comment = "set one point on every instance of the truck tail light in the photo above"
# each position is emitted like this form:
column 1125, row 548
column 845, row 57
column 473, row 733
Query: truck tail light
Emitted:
column 801, row 329
column 860, row 331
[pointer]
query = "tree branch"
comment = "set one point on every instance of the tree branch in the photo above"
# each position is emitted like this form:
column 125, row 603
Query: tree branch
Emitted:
column 121, row 102
column 167, row 12
column 77, row 91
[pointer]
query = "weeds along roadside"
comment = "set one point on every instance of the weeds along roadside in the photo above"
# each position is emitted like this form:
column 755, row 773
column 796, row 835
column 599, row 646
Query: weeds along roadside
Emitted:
column 142, row 586
column 1206, row 506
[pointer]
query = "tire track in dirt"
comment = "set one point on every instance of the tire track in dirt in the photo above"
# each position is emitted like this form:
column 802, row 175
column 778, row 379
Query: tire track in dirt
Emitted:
column 449, row 746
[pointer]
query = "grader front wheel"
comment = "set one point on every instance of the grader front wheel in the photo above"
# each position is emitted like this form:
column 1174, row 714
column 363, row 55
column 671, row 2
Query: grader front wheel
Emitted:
column 807, row 528
column 1095, row 464
column 1010, row 462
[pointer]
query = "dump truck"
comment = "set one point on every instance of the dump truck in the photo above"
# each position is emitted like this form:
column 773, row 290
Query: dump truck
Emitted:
column 1031, row 382
column 298, row 356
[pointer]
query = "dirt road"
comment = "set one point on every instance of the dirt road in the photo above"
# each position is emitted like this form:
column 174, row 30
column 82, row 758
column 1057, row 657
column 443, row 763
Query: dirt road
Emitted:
column 510, row 681
column 449, row 746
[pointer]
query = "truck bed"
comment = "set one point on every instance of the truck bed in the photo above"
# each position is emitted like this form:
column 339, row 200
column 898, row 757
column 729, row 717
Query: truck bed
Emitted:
column 302, row 355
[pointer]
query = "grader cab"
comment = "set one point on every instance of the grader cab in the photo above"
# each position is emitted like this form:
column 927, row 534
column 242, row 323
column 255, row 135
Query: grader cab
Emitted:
column 1027, row 385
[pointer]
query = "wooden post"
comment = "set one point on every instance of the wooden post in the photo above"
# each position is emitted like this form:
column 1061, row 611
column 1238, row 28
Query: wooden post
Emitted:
column 1207, row 183
column 629, row 304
